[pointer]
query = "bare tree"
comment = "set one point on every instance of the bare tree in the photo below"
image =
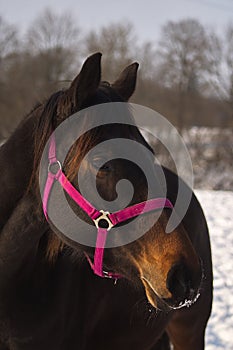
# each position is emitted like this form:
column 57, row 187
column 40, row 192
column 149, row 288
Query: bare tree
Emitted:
column 54, row 40
column 184, row 52
column 185, row 55
column 8, row 48
column 8, row 38
column 116, row 41
column 50, row 30
column 229, row 60
column 147, row 56
column 228, row 56
column 49, row 55
column 226, row 77
column 222, row 71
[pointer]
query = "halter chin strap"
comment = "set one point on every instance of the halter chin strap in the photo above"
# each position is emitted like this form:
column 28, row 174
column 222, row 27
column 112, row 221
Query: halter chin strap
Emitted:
column 55, row 173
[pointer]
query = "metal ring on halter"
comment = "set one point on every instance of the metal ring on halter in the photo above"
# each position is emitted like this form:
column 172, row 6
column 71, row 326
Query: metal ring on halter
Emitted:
column 54, row 164
column 105, row 218
column 106, row 274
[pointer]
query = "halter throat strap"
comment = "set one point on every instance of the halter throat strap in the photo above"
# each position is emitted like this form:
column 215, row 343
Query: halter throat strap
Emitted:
column 55, row 173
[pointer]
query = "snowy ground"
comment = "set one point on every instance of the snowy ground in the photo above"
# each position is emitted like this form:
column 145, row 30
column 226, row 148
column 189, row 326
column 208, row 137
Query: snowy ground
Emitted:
column 218, row 208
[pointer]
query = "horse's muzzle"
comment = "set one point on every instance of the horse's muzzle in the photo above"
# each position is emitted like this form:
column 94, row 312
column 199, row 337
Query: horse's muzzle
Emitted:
column 182, row 285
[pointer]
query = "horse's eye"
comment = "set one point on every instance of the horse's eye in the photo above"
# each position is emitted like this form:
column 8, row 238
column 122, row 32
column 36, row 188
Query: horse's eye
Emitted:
column 100, row 164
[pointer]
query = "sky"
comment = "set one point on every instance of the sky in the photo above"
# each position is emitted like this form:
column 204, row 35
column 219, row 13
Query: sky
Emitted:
column 147, row 16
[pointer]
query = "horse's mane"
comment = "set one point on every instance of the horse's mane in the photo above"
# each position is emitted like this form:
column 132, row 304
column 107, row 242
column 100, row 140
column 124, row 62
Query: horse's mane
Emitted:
column 47, row 122
column 45, row 114
column 45, row 125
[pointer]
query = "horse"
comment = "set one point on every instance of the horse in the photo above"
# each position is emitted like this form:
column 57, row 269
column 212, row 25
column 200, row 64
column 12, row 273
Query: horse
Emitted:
column 49, row 296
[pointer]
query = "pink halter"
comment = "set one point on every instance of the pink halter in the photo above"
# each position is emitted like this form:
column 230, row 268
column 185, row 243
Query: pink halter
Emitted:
column 109, row 219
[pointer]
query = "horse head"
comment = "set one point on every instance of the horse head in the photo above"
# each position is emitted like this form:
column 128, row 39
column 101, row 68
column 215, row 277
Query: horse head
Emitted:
column 164, row 264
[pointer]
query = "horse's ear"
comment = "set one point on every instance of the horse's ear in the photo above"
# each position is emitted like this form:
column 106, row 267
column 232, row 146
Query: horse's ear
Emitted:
column 88, row 80
column 83, row 86
column 126, row 83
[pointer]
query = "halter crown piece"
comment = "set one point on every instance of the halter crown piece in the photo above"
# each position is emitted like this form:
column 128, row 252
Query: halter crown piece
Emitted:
column 100, row 217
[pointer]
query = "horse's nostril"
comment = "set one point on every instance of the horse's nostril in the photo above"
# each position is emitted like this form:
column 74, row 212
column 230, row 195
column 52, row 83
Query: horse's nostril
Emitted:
column 179, row 282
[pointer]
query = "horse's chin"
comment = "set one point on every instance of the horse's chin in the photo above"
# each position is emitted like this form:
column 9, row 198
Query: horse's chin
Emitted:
column 166, row 304
column 153, row 297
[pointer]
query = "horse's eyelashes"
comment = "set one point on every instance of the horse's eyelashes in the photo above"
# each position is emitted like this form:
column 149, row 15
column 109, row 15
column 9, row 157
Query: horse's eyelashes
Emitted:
column 100, row 163
column 106, row 167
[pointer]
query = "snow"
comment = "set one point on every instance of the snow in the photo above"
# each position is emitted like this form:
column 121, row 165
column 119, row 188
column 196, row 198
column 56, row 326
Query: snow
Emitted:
column 217, row 206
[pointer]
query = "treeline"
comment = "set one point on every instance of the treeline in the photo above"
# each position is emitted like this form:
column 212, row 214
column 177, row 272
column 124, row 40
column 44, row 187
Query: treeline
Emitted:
column 187, row 76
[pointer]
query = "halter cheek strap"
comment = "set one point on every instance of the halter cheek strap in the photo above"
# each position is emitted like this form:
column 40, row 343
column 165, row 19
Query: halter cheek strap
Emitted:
column 55, row 173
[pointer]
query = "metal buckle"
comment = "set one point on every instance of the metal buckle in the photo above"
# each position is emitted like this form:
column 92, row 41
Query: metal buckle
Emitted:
column 54, row 164
column 104, row 217
column 106, row 274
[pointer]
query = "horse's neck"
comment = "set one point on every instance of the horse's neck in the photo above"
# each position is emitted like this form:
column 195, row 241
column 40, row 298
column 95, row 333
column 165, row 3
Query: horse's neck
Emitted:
column 16, row 162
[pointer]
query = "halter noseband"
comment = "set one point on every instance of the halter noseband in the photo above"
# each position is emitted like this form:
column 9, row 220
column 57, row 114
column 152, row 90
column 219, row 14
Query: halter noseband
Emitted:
column 109, row 219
